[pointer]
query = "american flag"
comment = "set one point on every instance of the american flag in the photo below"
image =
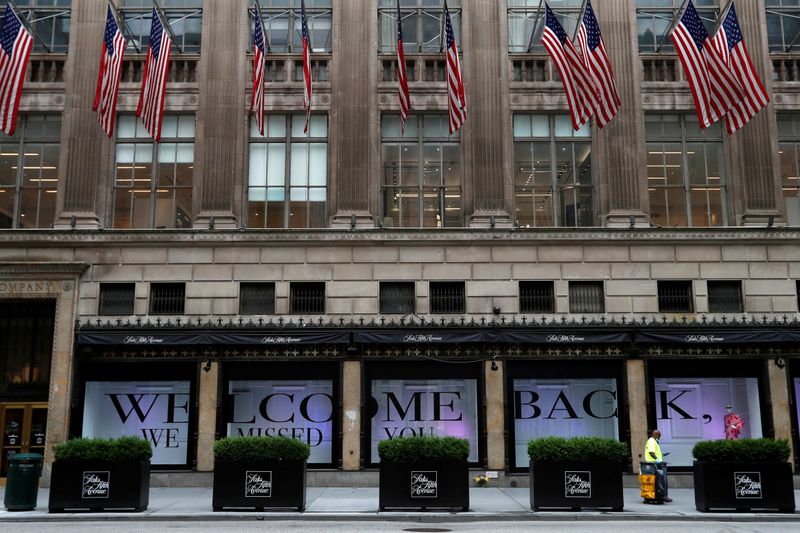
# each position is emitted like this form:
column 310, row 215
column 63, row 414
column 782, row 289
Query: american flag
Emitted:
column 154, row 82
column 456, row 97
column 578, row 85
column 730, row 44
column 306, row 64
column 16, row 43
column 593, row 50
column 259, row 70
column 402, row 81
column 714, row 88
column 105, row 96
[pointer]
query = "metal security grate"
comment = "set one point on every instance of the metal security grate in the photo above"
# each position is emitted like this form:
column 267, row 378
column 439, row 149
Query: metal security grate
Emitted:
column 397, row 297
column 307, row 298
column 167, row 298
column 447, row 297
column 725, row 296
column 536, row 297
column 675, row 297
column 586, row 297
column 256, row 298
column 117, row 298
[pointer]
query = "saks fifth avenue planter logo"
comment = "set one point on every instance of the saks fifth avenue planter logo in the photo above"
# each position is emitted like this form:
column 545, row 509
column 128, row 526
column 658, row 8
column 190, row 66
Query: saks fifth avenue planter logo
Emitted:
column 577, row 484
column 424, row 484
column 747, row 485
column 422, row 338
column 96, row 484
column 703, row 338
column 258, row 484
column 565, row 338
column 142, row 339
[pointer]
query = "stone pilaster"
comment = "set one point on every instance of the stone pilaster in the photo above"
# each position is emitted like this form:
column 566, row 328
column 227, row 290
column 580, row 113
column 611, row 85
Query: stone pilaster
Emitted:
column 637, row 407
column 83, row 165
column 755, row 175
column 495, row 417
column 779, row 403
column 487, row 173
column 219, row 145
column 618, row 153
column 351, row 419
column 207, row 417
column 354, row 110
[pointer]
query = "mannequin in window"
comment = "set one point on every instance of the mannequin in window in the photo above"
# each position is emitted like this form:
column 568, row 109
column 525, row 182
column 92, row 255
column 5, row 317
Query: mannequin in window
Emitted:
column 733, row 424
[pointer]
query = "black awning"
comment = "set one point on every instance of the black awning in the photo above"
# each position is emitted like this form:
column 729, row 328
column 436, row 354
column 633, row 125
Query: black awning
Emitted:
column 423, row 337
column 719, row 336
column 166, row 338
column 563, row 337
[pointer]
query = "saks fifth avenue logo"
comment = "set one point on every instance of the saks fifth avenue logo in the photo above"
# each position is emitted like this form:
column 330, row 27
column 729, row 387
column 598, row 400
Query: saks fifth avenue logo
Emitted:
column 564, row 338
column 280, row 340
column 141, row 339
column 422, row 338
column 258, row 484
column 96, row 484
column 424, row 484
column 703, row 338
column 747, row 485
column 577, row 484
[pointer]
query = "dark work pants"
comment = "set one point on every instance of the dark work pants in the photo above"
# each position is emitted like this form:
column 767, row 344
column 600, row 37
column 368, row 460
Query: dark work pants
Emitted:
column 662, row 489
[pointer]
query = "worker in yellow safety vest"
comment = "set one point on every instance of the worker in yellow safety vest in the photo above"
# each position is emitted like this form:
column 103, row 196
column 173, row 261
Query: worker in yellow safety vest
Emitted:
column 653, row 454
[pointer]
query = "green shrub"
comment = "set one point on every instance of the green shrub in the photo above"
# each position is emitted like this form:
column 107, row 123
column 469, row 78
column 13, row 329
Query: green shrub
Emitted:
column 118, row 450
column 742, row 451
column 595, row 449
column 424, row 448
column 261, row 449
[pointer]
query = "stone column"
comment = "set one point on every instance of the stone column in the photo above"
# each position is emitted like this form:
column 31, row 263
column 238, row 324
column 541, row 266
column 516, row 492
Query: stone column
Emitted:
column 207, row 417
column 219, row 145
column 779, row 403
column 618, row 156
column 487, row 173
column 755, row 174
column 82, row 165
column 351, row 419
column 495, row 417
column 637, row 407
column 354, row 110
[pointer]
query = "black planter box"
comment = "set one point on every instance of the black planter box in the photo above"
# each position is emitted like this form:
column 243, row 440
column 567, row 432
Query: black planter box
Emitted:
column 743, row 486
column 424, row 485
column 99, row 486
column 259, row 485
column 576, row 485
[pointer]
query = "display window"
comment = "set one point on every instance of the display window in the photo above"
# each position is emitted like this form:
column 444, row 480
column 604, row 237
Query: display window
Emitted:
column 432, row 400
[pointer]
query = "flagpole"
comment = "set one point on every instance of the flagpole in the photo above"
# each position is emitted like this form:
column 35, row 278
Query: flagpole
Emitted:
column 671, row 26
column 441, row 29
column 27, row 26
column 535, row 25
column 721, row 18
column 166, row 26
column 123, row 25
column 263, row 30
column 580, row 19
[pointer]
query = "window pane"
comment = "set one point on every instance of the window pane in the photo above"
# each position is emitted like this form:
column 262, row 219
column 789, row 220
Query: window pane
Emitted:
column 258, row 165
column 277, row 164
column 318, row 164
column 299, row 164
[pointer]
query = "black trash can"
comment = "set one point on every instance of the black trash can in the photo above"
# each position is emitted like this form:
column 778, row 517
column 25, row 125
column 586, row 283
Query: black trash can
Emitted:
column 22, row 483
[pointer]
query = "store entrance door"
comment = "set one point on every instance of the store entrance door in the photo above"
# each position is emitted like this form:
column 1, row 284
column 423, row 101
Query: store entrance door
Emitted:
column 24, row 428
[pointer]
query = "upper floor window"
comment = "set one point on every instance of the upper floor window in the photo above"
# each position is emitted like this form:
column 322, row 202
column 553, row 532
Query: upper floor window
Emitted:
column 552, row 172
column 307, row 298
column 283, row 23
column 447, row 297
column 536, row 297
column 167, row 298
column 421, row 184
column 653, row 18
column 675, row 297
column 783, row 25
column 685, row 172
column 789, row 155
column 525, row 22
column 256, row 298
column 397, row 297
column 153, row 182
column 288, row 176
column 29, row 172
column 49, row 20
column 423, row 25
column 117, row 299
column 586, row 297
column 725, row 296
column 185, row 19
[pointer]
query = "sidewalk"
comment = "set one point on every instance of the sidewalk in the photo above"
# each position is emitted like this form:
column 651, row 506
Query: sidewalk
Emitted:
column 334, row 504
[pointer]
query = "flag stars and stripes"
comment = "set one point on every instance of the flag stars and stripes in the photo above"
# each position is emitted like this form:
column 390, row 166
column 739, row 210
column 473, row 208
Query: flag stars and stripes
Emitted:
column 16, row 43
column 154, row 81
column 259, row 73
column 456, row 94
column 108, row 78
column 403, row 93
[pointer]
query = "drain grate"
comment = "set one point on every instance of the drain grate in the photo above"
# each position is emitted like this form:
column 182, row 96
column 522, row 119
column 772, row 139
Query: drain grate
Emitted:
column 427, row 530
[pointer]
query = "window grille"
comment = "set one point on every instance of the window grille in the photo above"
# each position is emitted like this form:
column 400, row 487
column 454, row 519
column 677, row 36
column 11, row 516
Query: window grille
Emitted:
column 307, row 298
column 675, row 297
column 536, row 297
column 117, row 298
column 725, row 296
column 167, row 298
column 447, row 297
column 256, row 298
column 586, row 297
column 397, row 298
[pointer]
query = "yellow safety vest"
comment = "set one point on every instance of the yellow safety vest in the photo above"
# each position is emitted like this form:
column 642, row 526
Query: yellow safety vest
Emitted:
column 652, row 446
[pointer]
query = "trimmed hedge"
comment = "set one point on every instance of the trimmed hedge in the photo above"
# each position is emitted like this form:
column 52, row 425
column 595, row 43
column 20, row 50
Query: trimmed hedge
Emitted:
column 742, row 451
column 593, row 449
column 261, row 449
column 119, row 450
column 423, row 448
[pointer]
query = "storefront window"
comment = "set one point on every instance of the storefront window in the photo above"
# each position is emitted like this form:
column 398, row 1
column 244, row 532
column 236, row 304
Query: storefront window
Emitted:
column 26, row 345
column 691, row 409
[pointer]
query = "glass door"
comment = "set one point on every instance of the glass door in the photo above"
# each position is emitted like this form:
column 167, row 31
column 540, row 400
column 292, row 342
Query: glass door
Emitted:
column 24, row 427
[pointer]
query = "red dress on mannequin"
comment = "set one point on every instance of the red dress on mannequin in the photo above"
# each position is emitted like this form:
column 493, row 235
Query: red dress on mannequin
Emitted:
column 733, row 426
